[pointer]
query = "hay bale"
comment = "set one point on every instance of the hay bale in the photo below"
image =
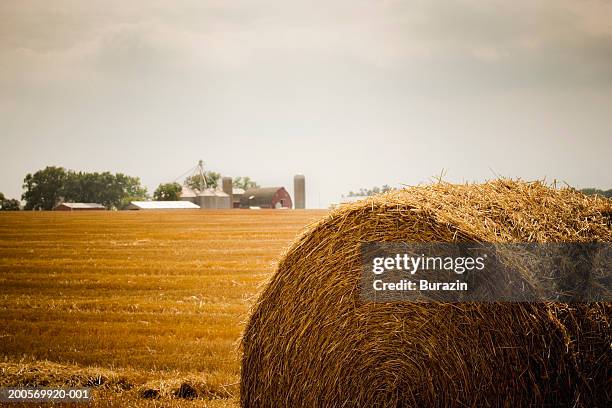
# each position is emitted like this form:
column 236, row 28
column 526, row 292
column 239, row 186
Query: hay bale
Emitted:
column 310, row 341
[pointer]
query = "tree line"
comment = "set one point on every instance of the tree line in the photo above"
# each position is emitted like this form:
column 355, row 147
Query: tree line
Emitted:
column 46, row 188
column 53, row 185
column 366, row 192
column 596, row 191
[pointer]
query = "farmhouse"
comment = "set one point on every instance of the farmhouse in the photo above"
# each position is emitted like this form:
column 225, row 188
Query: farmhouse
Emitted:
column 162, row 205
column 78, row 207
column 267, row 197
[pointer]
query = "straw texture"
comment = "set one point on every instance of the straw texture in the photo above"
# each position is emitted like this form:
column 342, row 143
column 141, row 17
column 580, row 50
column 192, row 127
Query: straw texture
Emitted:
column 311, row 342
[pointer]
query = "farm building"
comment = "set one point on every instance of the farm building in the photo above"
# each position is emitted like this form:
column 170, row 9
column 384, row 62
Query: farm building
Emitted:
column 79, row 207
column 237, row 194
column 207, row 199
column 213, row 199
column 200, row 190
column 162, row 205
column 267, row 197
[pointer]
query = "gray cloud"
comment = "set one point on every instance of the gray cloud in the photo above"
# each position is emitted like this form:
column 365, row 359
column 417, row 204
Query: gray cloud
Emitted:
column 351, row 93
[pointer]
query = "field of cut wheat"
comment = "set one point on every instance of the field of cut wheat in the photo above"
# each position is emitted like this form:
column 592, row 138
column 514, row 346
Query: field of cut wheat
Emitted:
column 143, row 307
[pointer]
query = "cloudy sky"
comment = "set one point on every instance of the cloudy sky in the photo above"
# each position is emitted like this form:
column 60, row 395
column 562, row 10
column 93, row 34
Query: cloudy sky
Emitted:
column 350, row 93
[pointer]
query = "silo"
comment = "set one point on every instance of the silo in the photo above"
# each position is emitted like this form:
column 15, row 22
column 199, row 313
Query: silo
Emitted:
column 207, row 200
column 227, row 184
column 299, row 191
column 222, row 200
column 188, row 195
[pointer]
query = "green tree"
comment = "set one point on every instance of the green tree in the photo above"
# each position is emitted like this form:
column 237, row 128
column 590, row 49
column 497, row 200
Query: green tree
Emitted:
column 101, row 188
column 196, row 183
column 7, row 204
column 45, row 188
column 168, row 192
column 10, row 205
column 131, row 190
column 244, row 183
column 366, row 192
column 110, row 190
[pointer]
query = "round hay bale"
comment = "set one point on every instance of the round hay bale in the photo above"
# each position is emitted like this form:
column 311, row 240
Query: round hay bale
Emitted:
column 310, row 340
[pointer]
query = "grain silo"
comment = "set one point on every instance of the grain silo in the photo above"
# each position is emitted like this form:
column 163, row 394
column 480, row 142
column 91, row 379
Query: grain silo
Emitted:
column 188, row 194
column 210, row 199
column 222, row 200
column 227, row 184
column 299, row 191
column 207, row 200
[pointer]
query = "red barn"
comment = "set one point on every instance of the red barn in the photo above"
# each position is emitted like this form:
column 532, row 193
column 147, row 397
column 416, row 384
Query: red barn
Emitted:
column 267, row 197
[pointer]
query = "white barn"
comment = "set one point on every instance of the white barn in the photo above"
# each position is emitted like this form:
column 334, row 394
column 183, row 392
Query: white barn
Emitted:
column 162, row 205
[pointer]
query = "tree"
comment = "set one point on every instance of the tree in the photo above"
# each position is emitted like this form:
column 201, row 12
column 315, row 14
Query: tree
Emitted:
column 10, row 205
column 101, row 188
column 110, row 190
column 131, row 189
column 168, row 192
column 48, row 187
column 211, row 180
column 7, row 204
column 366, row 192
column 45, row 188
column 244, row 183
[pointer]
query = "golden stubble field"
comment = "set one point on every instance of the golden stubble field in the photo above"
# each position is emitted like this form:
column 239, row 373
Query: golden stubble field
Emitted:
column 135, row 304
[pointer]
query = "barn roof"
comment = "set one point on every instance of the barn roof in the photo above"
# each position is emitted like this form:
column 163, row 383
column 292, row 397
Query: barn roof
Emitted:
column 212, row 192
column 162, row 205
column 261, row 193
column 88, row 206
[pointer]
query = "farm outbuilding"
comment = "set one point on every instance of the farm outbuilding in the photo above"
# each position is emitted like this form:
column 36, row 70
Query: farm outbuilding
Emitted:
column 223, row 200
column 237, row 194
column 162, row 205
column 267, row 197
column 79, row 207
column 211, row 199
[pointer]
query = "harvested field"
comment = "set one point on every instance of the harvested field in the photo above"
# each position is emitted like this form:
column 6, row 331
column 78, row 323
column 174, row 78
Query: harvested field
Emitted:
column 134, row 304
column 311, row 341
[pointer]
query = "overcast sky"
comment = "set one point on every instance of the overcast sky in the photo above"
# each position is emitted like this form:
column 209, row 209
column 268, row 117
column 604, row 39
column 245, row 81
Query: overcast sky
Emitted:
column 350, row 93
